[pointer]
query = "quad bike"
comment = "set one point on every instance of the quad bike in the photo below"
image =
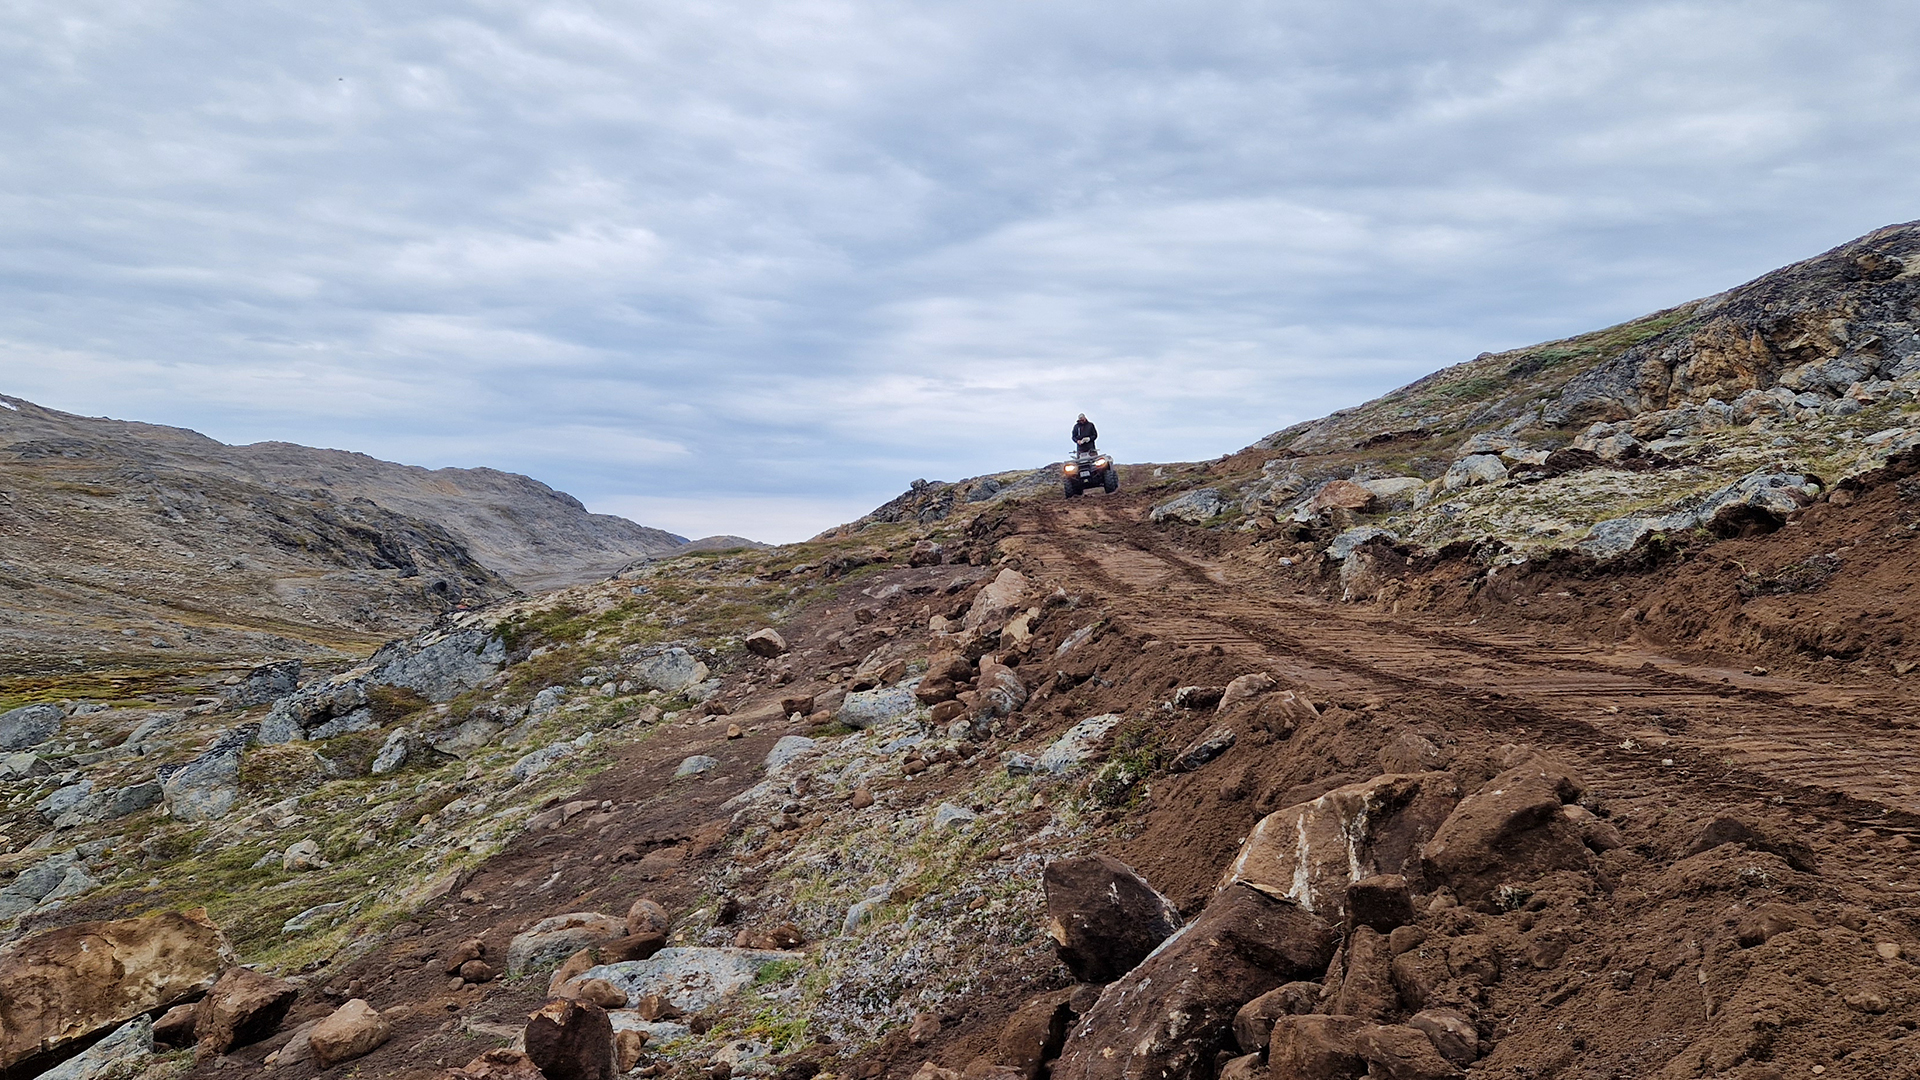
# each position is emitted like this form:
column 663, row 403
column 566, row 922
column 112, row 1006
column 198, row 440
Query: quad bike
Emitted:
column 1088, row 468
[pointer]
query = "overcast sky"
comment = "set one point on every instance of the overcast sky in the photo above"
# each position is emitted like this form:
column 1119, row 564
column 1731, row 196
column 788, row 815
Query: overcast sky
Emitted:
column 753, row 267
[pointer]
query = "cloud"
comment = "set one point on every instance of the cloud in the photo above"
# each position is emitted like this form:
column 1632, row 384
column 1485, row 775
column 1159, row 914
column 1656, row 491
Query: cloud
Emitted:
column 693, row 259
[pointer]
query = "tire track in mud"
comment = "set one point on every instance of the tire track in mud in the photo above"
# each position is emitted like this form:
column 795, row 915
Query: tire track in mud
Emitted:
column 1634, row 716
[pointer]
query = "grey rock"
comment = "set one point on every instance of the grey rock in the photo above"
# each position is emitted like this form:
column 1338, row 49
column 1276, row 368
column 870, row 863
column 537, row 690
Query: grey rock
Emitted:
column 695, row 765
column 441, row 668
column 1195, row 507
column 557, row 937
column 859, row 912
column 1616, row 536
column 692, row 979
column 549, row 699
column 119, row 1054
column 348, row 724
column 64, row 799
column 132, row 799
column 789, row 749
column 1078, row 744
column 315, row 916
column 303, row 855
column 540, row 761
column 1474, row 470
column 280, row 725
column 74, row 882
column 1211, row 744
column 1019, row 764
column 153, row 725
column 882, row 705
column 1774, row 494
column 670, row 671
column 1344, row 544
column 22, row 765
column 949, row 816
column 393, row 753
column 207, row 787
column 29, row 725
column 268, row 682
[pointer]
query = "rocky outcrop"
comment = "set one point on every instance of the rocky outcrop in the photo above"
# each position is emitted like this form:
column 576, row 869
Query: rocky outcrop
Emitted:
column 1103, row 917
column 66, row 985
column 29, row 726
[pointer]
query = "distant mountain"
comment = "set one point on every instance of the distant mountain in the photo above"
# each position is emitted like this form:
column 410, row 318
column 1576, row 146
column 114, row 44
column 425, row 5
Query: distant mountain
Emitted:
column 115, row 535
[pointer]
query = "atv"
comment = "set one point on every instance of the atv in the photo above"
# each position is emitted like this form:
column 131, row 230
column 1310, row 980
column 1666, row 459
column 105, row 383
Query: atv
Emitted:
column 1089, row 469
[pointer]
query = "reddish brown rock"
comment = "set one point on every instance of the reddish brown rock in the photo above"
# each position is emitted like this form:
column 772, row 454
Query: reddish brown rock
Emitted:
column 73, row 982
column 1169, row 1017
column 1451, row 1033
column 648, row 917
column 1320, row 1047
column 1246, row 688
column 570, row 969
column 1104, row 918
column 176, row 1027
column 477, row 971
column 798, row 703
column 471, row 949
column 1340, row 495
column 765, row 643
column 500, row 1064
column 571, row 1040
column 924, row 1028
column 596, row 992
column 628, row 1045
column 1034, row 1033
column 860, row 799
column 926, row 553
column 1510, row 831
column 1253, row 1024
column 632, row 947
column 1756, row 927
column 1402, row 1053
column 947, row 712
column 1366, row 986
column 353, row 1030
column 1381, row 902
column 1245, row 1067
column 1315, row 851
column 242, row 1008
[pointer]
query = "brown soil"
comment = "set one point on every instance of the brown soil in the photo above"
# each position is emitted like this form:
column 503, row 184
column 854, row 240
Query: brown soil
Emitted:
column 1738, row 678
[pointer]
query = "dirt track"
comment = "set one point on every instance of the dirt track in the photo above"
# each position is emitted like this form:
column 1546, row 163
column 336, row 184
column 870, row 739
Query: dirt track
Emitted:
column 1625, row 709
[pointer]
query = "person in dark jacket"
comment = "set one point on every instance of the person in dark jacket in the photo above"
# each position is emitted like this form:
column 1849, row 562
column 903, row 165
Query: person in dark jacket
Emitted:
column 1084, row 433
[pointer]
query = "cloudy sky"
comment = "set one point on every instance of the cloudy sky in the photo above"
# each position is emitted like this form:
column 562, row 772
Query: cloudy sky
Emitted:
column 753, row 267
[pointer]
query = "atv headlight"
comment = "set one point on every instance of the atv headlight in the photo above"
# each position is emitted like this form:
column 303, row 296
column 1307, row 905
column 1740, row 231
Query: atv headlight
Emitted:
column 1072, row 468
column 1101, row 464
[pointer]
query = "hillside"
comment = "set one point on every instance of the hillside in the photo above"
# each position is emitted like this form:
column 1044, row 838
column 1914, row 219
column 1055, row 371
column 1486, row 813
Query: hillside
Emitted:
column 136, row 545
column 1307, row 762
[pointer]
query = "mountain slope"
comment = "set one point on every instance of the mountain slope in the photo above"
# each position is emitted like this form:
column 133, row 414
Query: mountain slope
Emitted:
column 121, row 539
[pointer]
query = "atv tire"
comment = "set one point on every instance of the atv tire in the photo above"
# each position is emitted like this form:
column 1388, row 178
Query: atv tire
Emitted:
column 1073, row 487
column 1112, row 480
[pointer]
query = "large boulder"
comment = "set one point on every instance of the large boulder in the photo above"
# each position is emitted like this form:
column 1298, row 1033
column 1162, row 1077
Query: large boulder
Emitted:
column 670, row 670
column 1103, row 917
column 571, row 1040
column 1001, row 691
column 72, row 983
column 557, row 937
column 1079, row 744
column 266, row 683
column 29, row 725
column 872, row 708
column 1312, row 853
column 1339, row 494
column 1168, row 1018
column 1474, row 469
column 353, row 1030
column 439, row 667
column 997, row 600
column 1514, row 829
column 207, row 787
column 243, row 1007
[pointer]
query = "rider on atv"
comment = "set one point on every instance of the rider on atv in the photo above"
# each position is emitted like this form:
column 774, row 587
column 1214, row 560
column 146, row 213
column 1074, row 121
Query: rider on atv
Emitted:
column 1088, row 468
column 1084, row 433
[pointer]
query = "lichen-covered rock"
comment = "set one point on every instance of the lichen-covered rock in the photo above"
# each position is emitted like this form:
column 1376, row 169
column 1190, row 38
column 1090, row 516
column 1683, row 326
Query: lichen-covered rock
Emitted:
column 691, row 979
column 1195, row 507
column 557, row 937
column 207, row 787
column 29, row 725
